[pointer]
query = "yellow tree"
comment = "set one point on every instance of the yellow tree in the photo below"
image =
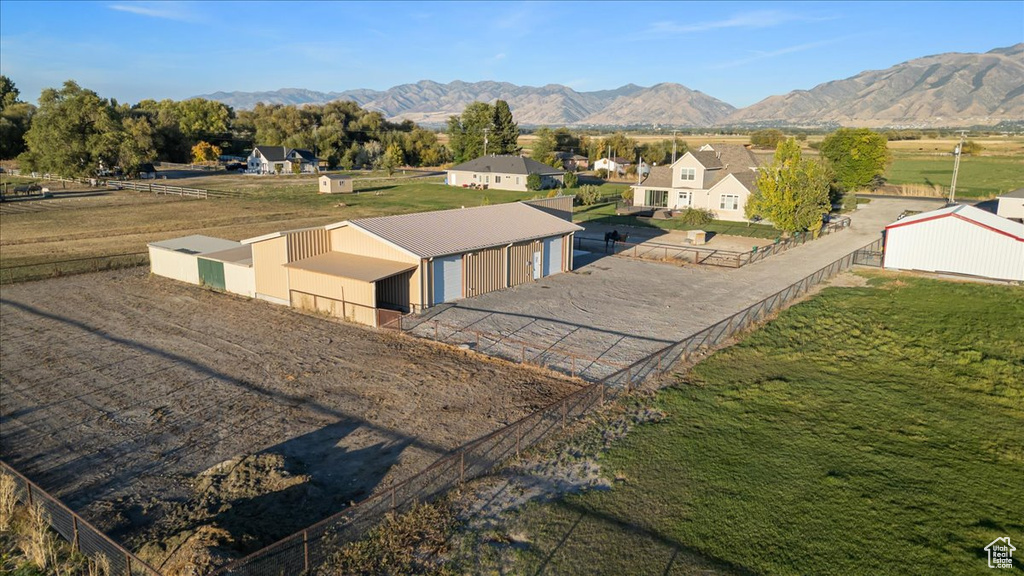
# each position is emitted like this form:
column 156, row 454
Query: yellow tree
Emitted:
column 205, row 152
column 791, row 192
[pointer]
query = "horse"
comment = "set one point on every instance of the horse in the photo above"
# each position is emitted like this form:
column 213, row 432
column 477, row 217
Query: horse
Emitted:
column 613, row 237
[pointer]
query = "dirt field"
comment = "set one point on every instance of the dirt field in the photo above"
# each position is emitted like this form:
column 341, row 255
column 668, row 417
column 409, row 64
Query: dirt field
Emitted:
column 199, row 426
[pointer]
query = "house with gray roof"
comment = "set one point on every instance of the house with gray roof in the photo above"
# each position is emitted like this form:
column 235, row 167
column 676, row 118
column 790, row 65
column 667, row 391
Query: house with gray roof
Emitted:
column 281, row 160
column 503, row 172
column 719, row 178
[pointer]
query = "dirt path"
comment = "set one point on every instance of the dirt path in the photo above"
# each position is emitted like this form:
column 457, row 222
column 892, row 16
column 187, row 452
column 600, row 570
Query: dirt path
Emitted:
column 136, row 399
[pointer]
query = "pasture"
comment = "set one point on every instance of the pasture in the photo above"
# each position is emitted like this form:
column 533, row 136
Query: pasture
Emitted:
column 980, row 177
column 872, row 429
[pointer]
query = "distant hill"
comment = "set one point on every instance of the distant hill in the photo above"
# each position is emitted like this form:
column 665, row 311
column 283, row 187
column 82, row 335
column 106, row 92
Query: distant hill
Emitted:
column 943, row 90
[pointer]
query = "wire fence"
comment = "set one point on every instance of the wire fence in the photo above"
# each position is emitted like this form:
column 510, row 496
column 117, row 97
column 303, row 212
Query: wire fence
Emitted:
column 513, row 349
column 870, row 255
column 311, row 548
column 693, row 254
column 84, row 538
column 43, row 270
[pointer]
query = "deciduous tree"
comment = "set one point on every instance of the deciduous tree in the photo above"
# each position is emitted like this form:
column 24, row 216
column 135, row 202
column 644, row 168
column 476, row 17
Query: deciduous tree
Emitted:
column 505, row 129
column 73, row 132
column 858, row 157
column 205, row 152
column 792, row 192
column 15, row 119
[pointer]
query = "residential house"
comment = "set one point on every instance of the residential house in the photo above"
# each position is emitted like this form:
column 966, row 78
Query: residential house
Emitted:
column 614, row 166
column 282, row 160
column 719, row 178
column 573, row 162
column 503, row 173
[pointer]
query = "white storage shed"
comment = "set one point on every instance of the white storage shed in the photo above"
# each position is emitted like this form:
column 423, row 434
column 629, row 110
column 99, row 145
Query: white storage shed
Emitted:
column 229, row 270
column 177, row 258
column 957, row 240
column 1011, row 205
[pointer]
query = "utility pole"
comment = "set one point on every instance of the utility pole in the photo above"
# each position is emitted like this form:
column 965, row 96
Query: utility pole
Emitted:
column 485, row 141
column 956, row 165
column 674, row 146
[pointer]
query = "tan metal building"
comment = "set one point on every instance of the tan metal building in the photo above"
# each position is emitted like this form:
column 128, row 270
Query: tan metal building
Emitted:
column 335, row 184
column 371, row 270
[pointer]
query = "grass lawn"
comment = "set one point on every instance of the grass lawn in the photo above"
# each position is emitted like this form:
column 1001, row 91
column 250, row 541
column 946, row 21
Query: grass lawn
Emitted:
column 980, row 176
column 873, row 430
column 605, row 214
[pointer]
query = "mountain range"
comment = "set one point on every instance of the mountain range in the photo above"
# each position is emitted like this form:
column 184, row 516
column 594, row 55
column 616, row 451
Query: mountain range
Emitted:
column 953, row 89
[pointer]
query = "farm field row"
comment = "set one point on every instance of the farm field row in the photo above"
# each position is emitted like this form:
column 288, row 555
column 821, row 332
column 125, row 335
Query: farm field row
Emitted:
column 893, row 442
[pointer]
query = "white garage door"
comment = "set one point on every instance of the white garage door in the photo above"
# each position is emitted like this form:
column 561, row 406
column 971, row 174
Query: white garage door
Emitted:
column 552, row 256
column 447, row 279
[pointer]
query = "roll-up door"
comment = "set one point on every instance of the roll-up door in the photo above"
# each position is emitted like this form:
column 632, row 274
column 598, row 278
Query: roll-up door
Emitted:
column 211, row 273
column 552, row 256
column 447, row 279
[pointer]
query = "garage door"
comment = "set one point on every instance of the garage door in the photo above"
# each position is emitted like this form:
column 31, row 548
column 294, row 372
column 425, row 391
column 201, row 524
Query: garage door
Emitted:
column 447, row 279
column 552, row 256
column 211, row 273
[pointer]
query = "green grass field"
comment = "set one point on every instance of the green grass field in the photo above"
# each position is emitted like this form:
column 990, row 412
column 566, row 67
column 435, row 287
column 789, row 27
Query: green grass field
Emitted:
column 980, row 177
column 872, row 430
column 605, row 214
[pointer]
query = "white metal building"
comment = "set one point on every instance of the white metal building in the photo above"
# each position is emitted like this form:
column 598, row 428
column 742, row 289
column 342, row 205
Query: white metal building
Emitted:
column 1011, row 205
column 177, row 258
column 957, row 240
column 230, row 270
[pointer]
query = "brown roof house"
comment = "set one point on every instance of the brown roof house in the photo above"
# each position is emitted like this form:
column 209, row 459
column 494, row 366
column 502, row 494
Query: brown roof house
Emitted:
column 503, row 173
column 718, row 177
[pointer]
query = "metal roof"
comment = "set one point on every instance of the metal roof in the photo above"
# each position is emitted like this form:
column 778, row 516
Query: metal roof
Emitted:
column 1018, row 193
column 238, row 255
column 969, row 213
column 336, row 176
column 430, row 234
column 361, row 268
column 196, row 244
column 506, row 165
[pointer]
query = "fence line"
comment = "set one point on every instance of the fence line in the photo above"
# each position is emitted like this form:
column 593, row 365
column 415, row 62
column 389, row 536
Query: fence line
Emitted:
column 702, row 255
column 513, row 349
column 83, row 536
column 27, row 272
column 311, row 548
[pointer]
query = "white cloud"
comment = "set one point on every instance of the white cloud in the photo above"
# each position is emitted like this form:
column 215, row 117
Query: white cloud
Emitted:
column 165, row 10
column 759, row 55
column 755, row 19
column 499, row 56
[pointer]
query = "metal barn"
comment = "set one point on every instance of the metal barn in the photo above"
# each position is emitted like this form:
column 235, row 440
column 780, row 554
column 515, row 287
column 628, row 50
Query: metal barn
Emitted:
column 371, row 270
column 229, row 270
column 178, row 258
column 957, row 240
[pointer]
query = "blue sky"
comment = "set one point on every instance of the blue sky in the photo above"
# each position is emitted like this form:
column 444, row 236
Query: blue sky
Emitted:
column 739, row 52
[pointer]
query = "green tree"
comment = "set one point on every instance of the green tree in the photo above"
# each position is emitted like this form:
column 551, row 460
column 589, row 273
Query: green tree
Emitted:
column 858, row 157
column 392, row 159
column 769, row 138
column 791, row 192
column 15, row 119
column 137, row 145
column 544, row 148
column 971, row 148
column 505, row 129
column 660, row 152
column 466, row 132
column 571, row 180
column 621, row 146
column 73, row 132
column 533, row 182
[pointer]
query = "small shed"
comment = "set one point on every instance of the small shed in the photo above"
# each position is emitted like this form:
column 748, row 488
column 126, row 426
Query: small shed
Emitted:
column 957, row 240
column 178, row 258
column 229, row 270
column 335, row 184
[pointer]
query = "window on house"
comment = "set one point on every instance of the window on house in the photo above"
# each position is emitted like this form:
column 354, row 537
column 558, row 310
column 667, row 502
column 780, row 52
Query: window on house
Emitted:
column 517, row 179
column 487, row 179
column 474, row 176
column 688, row 174
column 497, row 179
column 730, row 202
column 656, row 198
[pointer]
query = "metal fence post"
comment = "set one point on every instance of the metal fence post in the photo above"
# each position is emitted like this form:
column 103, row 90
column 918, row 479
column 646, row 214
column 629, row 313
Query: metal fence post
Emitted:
column 305, row 551
column 435, row 330
column 522, row 359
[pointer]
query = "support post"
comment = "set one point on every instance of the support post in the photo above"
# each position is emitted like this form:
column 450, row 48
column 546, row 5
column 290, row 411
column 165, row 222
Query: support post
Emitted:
column 565, row 409
column 522, row 359
column 393, row 506
column 127, row 564
column 75, row 546
column 30, row 495
column 519, row 439
column 462, row 467
column 629, row 378
column 573, row 374
column 305, row 551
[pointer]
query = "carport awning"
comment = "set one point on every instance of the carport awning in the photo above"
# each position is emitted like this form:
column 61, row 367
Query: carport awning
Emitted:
column 362, row 268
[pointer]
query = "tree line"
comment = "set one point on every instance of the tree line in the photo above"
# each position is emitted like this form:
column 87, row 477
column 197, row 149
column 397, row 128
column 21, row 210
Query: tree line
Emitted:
column 74, row 131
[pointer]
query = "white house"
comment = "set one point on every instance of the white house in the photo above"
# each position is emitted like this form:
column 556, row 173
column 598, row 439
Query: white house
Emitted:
column 503, row 172
column 613, row 165
column 281, row 160
column 718, row 178
column 1011, row 205
column 957, row 240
